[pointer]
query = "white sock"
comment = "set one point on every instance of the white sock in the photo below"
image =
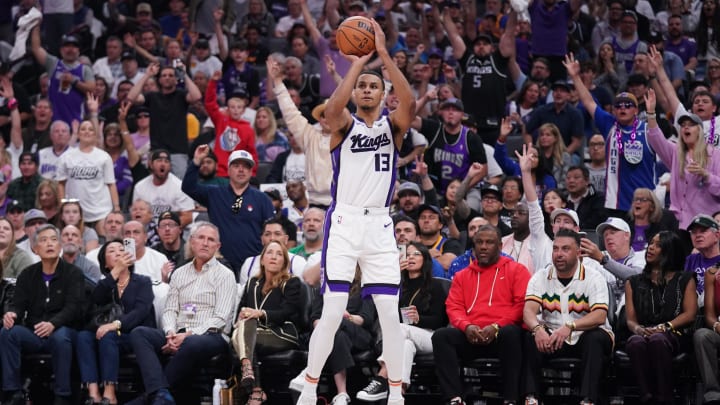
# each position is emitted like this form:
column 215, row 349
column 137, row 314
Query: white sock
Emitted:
column 323, row 337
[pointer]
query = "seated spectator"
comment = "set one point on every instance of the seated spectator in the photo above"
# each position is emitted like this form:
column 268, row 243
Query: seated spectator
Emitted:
column 71, row 243
column 648, row 217
column 141, row 211
column 36, row 135
column 356, row 333
column 580, row 330
column 442, row 248
column 706, row 340
column 289, row 164
column 514, row 245
column 33, row 220
column 103, row 344
column 172, row 244
column 584, row 198
column 113, row 227
column 16, row 216
column 553, row 154
column 264, row 316
column 313, row 220
column 43, row 323
column 618, row 258
column 597, row 164
column 486, row 325
column 659, row 332
column 14, row 260
column 24, row 188
column 196, row 320
column 273, row 230
column 113, row 145
column 409, row 199
column 71, row 213
column 552, row 199
column 296, row 193
column 704, row 234
column 269, row 141
column 49, row 156
column 692, row 163
column 541, row 178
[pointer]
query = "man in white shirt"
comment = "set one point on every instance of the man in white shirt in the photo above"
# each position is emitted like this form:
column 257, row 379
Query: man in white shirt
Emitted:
column 110, row 67
column 162, row 189
column 130, row 70
column 49, row 157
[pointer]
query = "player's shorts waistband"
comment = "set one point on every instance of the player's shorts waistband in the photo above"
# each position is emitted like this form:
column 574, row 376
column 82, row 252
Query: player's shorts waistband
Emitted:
column 368, row 211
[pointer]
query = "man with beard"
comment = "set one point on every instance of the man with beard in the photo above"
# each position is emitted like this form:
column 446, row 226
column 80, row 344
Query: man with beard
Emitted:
column 583, row 198
column 518, row 244
column 36, row 135
column 71, row 239
column 24, row 188
column 208, row 170
column 409, row 199
column 162, row 189
column 70, row 80
column 313, row 220
column 492, row 204
column 464, row 259
column 680, row 44
column 113, row 227
column 485, row 321
column 442, row 248
column 295, row 189
column 172, row 245
column 452, row 147
column 407, row 230
column 579, row 328
column 705, row 234
column 597, row 166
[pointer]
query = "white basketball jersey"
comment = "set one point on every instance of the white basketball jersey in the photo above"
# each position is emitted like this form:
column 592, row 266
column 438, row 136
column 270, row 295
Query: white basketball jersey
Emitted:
column 364, row 165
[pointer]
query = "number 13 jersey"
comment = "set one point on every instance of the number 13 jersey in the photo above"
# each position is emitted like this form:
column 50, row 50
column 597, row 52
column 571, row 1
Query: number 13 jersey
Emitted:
column 364, row 165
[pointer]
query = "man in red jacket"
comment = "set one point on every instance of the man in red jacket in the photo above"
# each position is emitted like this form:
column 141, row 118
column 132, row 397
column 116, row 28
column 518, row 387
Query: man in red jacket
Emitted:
column 485, row 307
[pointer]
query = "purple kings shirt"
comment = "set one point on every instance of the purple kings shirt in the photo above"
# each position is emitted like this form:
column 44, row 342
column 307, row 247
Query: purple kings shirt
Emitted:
column 697, row 263
column 549, row 28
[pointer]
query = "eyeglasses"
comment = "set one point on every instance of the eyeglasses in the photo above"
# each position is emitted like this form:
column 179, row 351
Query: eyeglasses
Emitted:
column 641, row 199
column 625, row 104
column 510, row 187
column 69, row 200
column 596, row 144
column 713, row 67
column 237, row 205
column 143, row 115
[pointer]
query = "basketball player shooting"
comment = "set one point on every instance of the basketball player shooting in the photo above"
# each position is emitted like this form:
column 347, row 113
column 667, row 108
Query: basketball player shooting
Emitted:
column 358, row 228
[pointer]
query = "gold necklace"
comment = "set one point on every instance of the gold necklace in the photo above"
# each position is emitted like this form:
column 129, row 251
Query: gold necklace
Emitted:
column 122, row 286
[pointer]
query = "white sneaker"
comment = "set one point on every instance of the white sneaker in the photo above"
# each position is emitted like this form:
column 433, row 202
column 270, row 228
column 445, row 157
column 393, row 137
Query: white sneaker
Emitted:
column 341, row 399
column 297, row 383
column 307, row 399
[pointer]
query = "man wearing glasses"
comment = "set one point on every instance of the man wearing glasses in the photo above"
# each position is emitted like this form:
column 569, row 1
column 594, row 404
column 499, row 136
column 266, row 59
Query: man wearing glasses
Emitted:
column 238, row 210
column 631, row 160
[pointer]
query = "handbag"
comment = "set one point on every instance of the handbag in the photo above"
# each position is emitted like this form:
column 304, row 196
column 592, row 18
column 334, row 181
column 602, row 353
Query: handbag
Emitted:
column 107, row 313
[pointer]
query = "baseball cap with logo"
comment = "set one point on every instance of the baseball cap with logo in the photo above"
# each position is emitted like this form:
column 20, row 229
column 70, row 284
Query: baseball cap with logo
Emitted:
column 242, row 155
column 565, row 211
column 705, row 221
column 612, row 222
column 14, row 206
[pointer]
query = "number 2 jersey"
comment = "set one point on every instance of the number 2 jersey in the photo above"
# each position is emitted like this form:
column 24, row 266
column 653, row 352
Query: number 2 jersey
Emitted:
column 364, row 165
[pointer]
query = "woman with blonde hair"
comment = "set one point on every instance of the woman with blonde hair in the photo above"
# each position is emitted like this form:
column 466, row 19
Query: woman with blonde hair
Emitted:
column 270, row 315
column 47, row 199
column 269, row 142
column 694, row 165
column 553, row 155
column 647, row 217
column 71, row 213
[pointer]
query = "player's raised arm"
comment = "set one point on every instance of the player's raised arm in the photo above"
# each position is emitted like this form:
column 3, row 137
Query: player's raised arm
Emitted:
column 338, row 118
column 403, row 115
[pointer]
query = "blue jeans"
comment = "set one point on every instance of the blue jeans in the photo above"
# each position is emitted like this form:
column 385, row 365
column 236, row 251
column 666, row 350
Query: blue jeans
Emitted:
column 109, row 348
column 194, row 351
column 20, row 339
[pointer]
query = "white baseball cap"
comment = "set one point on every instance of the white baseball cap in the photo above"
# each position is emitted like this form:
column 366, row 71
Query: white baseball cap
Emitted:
column 565, row 211
column 242, row 155
column 613, row 222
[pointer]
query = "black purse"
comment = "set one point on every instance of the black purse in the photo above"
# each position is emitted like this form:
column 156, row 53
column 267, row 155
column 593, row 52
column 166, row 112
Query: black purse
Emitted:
column 107, row 313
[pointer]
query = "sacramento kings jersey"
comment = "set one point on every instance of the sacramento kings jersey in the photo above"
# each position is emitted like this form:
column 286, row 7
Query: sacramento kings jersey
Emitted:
column 364, row 165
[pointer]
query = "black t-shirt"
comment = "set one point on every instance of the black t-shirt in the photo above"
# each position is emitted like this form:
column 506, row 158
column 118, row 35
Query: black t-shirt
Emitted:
column 438, row 167
column 484, row 87
column 168, row 121
column 24, row 106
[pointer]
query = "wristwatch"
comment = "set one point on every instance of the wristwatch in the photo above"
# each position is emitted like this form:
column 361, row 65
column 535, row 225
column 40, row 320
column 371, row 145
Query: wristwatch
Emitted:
column 604, row 259
column 570, row 325
column 12, row 104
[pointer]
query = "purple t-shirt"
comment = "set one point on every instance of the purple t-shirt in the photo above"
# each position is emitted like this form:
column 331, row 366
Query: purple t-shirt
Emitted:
column 549, row 27
column 697, row 263
column 342, row 65
column 686, row 49
column 639, row 242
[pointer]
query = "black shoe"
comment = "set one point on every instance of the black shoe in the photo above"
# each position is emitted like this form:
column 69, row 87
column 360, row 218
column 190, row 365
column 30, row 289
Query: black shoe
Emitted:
column 15, row 398
column 60, row 400
column 376, row 390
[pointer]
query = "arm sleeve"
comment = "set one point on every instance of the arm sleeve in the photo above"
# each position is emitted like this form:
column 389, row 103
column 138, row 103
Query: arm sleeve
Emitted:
column 290, row 308
column 75, row 290
column 190, row 186
column 509, row 166
column 621, row 271
column 225, row 303
column 665, row 149
column 455, row 305
column 521, row 277
column 435, row 317
column 476, row 149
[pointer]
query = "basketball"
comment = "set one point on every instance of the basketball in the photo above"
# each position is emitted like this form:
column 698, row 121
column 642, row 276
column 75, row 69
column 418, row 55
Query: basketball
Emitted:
column 356, row 36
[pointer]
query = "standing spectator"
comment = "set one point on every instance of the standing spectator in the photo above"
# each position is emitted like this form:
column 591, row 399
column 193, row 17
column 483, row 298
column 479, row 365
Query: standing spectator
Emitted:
column 162, row 189
column 707, row 36
column 58, row 16
column 49, row 157
column 610, row 26
column 486, row 325
column 238, row 210
column 190, row 337
column 258, row 18
column 43, row 322
column 705, row 235
column 130, row 71
column 202, row 60
column 269, row 141
column 36, row 134
column 121, row 167
column 583, row 198
column 110, row 66
column 680, row 44
column 47, row 199
column 632, row 160
column 658, row 330
column 597, row 166
column 168, row 107
column 549, row 25
column 705, row 341
column 70, row 80
column 485, row 73
column 692, row 163
column 24, row 188
column 87, row 173
column 627, row 41
column 580, row 330
column 239, row 77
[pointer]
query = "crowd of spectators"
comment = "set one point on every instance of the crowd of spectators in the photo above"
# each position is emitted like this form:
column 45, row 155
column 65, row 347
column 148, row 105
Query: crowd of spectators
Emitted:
column 568, row 145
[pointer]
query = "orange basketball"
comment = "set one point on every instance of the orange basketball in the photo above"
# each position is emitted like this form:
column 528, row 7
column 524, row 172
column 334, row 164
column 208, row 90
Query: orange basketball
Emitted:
column 356, row 36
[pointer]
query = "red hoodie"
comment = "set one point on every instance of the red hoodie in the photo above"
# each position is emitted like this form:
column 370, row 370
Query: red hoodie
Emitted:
column 242, row 139
column 485, row 295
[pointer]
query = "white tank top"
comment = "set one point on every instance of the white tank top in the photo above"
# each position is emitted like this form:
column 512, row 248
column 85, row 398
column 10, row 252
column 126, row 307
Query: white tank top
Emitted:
column 364, row 165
